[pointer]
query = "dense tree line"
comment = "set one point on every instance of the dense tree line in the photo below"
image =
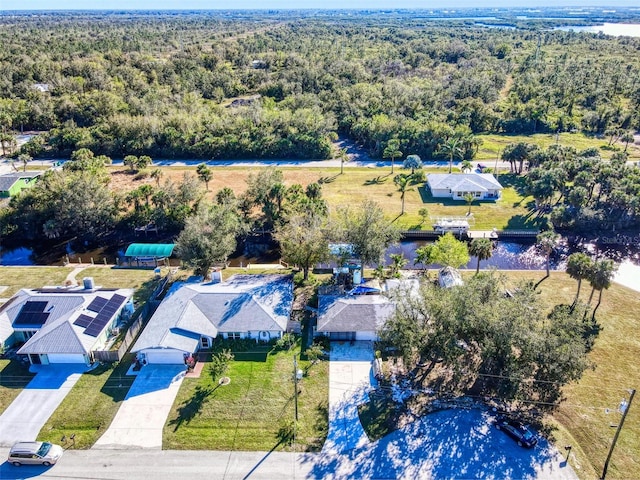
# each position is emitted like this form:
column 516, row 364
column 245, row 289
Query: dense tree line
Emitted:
column 163, row 84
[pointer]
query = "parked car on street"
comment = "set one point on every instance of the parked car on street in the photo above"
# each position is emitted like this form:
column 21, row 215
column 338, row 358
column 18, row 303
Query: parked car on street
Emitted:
column 517, row 430
column 34, row 453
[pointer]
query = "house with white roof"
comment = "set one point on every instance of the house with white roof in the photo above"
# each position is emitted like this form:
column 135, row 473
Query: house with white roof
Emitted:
column 483, row 186
column 64, row 324
column 193, row 314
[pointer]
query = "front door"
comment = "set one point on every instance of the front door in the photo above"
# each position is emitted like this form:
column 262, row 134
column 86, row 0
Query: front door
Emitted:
column 35, row 359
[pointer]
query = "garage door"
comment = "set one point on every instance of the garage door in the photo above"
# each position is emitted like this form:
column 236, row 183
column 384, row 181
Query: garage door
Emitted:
column 368, row 336
column 164, row 356
column 342, row 336
column 66, row 358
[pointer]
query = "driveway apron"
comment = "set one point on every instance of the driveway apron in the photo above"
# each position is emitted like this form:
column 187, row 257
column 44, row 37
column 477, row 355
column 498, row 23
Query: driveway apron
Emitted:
column 143, row 413
column 27, row 414
column 350, row 379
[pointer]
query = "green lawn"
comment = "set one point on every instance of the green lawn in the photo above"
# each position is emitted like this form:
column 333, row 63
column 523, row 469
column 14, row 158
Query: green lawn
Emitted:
column 493, row 144
column 89, row 408
column 255, row 411
column 14, row 376
column 30, row 277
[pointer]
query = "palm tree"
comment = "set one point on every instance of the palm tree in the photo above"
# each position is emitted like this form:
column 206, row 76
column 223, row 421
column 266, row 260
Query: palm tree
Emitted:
column 482, row 248
column 344, row 157
column 627, row 138
column 579, row 266
column 546, row 241
column 601, row 276
column 468, row 197
column 392, row 151
column 156, row 174
column 451, row 148
column 402, row 182
column 204, row 174
column 424, row 213
column 423, row 255
column 397, row 262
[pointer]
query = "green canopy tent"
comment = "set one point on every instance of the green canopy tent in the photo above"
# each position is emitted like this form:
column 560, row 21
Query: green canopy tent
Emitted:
column 149, row 252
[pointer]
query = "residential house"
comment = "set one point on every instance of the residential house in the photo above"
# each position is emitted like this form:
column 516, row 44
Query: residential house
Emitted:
column 193, row 314
column 12, row 183
column 64, row 324
column 483, row 186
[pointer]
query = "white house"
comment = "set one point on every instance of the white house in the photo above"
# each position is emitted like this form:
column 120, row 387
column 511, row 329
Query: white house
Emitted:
column 193, row 314
column 64, row 325
column 483, row 186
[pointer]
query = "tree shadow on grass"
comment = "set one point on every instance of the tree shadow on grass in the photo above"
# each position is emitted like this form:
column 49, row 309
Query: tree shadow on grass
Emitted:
column 331, row 179
column 193, row 406
column 379, row 180
column 517, row 182
column 118, row 384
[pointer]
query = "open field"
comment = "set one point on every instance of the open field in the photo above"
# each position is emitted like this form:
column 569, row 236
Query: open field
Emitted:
column 492, row 145
column 16, row 278
column 256, row 410
column 359, row 184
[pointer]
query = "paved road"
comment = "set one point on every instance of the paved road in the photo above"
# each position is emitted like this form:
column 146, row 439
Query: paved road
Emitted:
column 27, row 414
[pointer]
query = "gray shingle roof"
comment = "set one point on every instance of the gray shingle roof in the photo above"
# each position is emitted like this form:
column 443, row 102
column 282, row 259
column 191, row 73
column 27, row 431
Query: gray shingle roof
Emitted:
column 355, row 313
column 468, row 182
column 242, row 303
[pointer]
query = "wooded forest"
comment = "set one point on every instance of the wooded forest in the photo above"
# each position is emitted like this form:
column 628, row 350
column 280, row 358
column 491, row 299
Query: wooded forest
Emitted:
column 186, row 85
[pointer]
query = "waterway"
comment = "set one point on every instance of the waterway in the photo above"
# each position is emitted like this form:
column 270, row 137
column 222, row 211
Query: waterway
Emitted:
column 615, row 29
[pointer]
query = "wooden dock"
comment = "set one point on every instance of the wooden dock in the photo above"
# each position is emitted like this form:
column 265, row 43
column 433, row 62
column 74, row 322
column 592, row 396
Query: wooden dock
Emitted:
column 491, row 234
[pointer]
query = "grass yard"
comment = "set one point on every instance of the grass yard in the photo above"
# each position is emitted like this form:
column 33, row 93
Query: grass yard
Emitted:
column 256, row 410
column 16, row 278
column 89, row 408
column 359, row 184
column 14, row 376
column 143, row 281
column 582, row 418
column 492, row 145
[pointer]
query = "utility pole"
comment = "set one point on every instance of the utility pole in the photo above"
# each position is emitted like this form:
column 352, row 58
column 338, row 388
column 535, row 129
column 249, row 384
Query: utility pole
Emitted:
column 615, row 437
column 295, row 383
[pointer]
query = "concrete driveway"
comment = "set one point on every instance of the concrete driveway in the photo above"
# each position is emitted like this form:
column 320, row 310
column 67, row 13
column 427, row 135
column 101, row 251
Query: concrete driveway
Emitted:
column 350, row 378
column 143, row 413
column 27, row 414
column 448, row 444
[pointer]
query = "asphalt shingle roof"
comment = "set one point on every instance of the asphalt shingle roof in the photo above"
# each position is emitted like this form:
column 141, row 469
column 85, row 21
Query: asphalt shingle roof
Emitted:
column 242, row 303
column 354, row 313
column 467, row 182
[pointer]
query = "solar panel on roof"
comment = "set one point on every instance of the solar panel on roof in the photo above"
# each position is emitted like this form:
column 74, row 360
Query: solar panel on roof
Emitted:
column 95, row 328
column 31, row 318
column 105, row 315
column 34, row 307
column 97, row 304
column 83, row 320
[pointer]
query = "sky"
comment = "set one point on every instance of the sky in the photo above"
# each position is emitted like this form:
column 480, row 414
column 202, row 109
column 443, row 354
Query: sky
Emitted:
column 291, row 4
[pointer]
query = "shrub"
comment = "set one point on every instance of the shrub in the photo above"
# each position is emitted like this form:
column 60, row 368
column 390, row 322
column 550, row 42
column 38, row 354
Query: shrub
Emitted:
column 219, row 363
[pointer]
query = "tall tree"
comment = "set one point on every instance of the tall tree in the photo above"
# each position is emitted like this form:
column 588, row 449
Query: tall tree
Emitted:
column 482, row 249
column 579, row 266
column 547, row 242
column 367, row 229
column 414, row 162
column 303, row 240
column 208, row 237
column 468, row 198
column 600, row 279
column 403, row 183
column 392, row 151
column 344, row 157
column 450, row 252
column 452, row 149
column 204, row 174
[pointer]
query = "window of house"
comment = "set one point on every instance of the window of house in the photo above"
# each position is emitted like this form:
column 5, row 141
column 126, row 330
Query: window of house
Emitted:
column 234, row 336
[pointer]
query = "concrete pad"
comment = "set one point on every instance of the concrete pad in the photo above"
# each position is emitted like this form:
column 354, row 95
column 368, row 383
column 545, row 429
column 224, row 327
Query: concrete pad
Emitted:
column 27, row 414
column 350, row 378
column 143, row 413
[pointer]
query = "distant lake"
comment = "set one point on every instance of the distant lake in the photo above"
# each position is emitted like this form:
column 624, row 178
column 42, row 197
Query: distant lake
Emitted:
column 616, row 29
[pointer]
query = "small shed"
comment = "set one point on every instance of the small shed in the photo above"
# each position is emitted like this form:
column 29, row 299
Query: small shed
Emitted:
column 149, row 252
column 449, row 277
